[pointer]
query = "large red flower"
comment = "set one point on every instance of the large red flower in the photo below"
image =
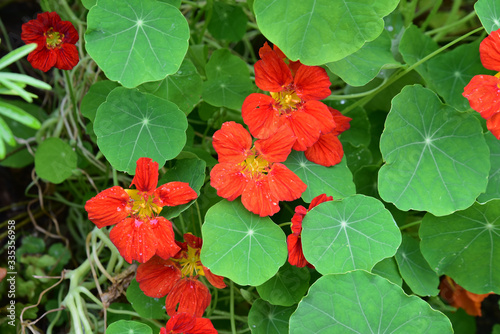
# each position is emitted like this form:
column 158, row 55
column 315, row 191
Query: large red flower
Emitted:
column 295, row 93
column 458, row 297
column 139, row 232
column 55, row 41
column 294, row 243
column 255, row 172
column 188, row 324
column 177, row 278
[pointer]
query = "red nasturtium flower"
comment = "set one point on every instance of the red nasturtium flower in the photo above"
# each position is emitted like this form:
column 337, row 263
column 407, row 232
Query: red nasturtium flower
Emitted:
column 55, row 41
column 294, row 242
column 458, row 297
column 188, row 324
column 295, row 93
column 139, row 232
column 177, row 278
column 483, row 91
column 255, row 172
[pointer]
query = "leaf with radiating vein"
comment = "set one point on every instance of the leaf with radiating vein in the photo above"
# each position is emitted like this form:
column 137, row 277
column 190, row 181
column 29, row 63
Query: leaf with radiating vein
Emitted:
column 360, row 302
column 465, row 246
column 321, row 31
column 488, row 12
column 240, row 245
column 131, row 124
column 493, row 189
column 354, row 233
column 265, row 318
column 416, row 272
column 333, row 181
column 137, row 41
column 436, row 158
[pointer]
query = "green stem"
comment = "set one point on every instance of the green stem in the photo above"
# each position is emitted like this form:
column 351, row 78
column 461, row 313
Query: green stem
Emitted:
column 404, row 227
column 434, row 10
column 69, row 85
column 231, row 309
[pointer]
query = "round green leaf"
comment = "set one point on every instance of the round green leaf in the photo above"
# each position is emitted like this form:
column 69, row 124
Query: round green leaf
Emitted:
column 228, row 80
column 95, row 97
column 129, row 327
column 265, row 318
column 488, row 12
column 321, row 31
column 228, row 22
column 414, row 46
column 354, row 233
column 147, row 307
column 182, row 88
column 436, row 158
column 360, row 302
column 465, row 246
column 416, row 272
column 333, row 181
column 131, row 124
column 493, row 188
column 55, row 160
column 388, row 268
column 287, row 287
column 241, row 246
column 137, row 41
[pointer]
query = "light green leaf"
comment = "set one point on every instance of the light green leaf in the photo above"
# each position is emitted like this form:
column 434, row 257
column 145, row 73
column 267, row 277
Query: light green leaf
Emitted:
column 6, row 134
column 388, row 268
column 19, row 115
column 128, row 327
column 321, row 31
column 436, row 158
column 488, row 12
column 95, row 97
column 493, row 189
column 138, row 41
column 147, row 307
column 228, row 80
column 265, row 318
column 416, row 272
column 333, row 181
column 362, row 66
column 465, row 246
column 131, row 125
column 55, row 160
column 414, row 46
column 354, row 233
column 360, row 302
column 16, row 54
column 241, row 246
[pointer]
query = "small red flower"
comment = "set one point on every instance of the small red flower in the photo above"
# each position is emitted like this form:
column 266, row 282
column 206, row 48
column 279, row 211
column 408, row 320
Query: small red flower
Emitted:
column 255, row 172
column 139, row 232
column 458, row 297
column 294, row 243
column 295, row 90
column 177, row 278
column 56, row 41
column 188, row 324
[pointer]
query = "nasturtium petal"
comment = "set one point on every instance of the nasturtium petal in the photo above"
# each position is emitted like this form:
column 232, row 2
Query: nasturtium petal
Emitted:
column 416, row 272
column 353, row 233
column 465, row 246
column 182, row 88
column 436, row 158
column 131, row 125
column 333, row 181
column 360, row 302
column 240, row 245
column 321, row 31
column 414, row 46
column 488, row 12
column 137, row 41
column 388, row 269
column 228, row 80
column 55, row 160
column 362, row 66
column 147, row 307
column 287, row 287
column 493, row 188
column 265, row 318
column 129, row 327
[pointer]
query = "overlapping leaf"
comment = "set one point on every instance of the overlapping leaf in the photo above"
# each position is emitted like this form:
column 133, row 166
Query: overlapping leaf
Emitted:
column 414, row 46
column 360, row 302
column 493, row 188
column 354, row 233
column 488, row 12
column 465, row 246
column 265, row 318
column 388, row 268
column 147, row 307
column 436, row 158
column 241, row 246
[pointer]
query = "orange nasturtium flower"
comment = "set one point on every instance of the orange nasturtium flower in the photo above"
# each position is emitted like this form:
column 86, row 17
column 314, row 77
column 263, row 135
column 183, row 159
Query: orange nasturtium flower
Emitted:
column 294, row 243
column 255, row 173
column 458, row 297
column 140, row 232
column 186, row 323
column 55, row 41
column 483, row 91
column 177, row 278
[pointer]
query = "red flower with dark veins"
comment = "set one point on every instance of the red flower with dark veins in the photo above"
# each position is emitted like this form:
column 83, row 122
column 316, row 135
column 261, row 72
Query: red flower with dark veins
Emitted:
column 55, row 41
column 139, row 232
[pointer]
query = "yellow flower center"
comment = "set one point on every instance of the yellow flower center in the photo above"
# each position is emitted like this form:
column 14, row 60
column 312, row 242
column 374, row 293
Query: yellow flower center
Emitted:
column 287, row 99
column 255, row 166
column 191, row 265
column 53, row 38
column 142, row 204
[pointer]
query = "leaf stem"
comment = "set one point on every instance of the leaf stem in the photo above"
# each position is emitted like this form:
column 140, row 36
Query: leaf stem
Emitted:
column 415, row 223
column 231, row 309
